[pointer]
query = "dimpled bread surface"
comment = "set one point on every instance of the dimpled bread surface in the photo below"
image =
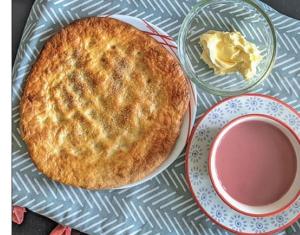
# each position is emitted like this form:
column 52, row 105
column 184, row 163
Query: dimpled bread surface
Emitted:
column 103, row 105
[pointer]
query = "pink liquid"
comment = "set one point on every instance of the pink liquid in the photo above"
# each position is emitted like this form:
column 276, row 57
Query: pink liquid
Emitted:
column 256, row 163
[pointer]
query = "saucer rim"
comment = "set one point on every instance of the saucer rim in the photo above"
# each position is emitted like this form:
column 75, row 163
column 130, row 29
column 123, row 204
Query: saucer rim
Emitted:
column 197, row 122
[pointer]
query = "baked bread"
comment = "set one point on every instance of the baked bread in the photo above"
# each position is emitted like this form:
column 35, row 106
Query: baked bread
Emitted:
column 103, row 104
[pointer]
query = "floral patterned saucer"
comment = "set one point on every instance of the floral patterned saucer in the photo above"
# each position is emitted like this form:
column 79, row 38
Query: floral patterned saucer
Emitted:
column 203, row 192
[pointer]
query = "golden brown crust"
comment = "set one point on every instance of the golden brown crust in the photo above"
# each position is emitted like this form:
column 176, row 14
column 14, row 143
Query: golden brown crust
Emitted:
column 103, row 105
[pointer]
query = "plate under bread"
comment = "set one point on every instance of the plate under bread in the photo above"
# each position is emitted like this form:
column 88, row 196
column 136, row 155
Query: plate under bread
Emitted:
column 134, row 131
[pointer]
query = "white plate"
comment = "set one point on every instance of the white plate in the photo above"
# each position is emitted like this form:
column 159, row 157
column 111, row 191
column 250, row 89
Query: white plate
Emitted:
column 189, row 118
column 206, row 128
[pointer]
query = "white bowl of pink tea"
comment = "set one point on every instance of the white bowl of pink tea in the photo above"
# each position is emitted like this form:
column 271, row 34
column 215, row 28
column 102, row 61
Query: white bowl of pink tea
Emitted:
column 254, row 165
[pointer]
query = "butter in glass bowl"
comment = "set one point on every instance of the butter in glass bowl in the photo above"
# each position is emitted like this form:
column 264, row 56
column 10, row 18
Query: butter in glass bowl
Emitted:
column 244, row 16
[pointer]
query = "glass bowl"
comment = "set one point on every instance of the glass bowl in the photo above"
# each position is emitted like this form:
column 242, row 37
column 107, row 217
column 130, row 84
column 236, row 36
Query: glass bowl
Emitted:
column 244, row 16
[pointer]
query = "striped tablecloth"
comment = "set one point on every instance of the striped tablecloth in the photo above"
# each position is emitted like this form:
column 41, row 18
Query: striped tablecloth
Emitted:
column 164, row 204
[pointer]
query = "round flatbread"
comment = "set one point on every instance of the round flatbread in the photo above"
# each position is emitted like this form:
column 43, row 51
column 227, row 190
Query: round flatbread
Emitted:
column 103, row 104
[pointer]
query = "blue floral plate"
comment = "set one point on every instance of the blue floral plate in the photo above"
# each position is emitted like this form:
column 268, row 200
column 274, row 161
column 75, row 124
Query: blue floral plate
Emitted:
column 203, row 192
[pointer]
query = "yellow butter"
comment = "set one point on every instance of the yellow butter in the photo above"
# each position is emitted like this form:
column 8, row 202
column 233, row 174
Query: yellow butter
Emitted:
column 228, row 52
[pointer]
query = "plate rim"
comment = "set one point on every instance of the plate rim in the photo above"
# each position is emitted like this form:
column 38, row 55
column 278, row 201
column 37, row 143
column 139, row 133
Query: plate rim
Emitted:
column 198, row 121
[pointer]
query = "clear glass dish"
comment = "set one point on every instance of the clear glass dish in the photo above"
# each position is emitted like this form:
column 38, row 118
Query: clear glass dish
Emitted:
column 244, row 16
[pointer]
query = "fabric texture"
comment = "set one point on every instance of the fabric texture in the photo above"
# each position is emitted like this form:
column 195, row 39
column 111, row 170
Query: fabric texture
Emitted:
column 163, row 205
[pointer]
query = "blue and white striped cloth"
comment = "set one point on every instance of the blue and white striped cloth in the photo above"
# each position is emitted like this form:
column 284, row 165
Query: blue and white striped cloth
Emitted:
column 164, row 204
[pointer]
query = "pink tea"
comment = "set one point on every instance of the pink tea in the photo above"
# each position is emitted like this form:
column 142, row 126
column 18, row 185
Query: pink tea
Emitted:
column 256, row 163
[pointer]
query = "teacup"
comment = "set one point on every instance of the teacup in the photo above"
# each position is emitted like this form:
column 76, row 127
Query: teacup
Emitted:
column 254, row 165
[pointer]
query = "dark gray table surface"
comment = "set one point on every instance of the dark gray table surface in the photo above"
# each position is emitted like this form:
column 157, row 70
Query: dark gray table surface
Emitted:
column 35, row 224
